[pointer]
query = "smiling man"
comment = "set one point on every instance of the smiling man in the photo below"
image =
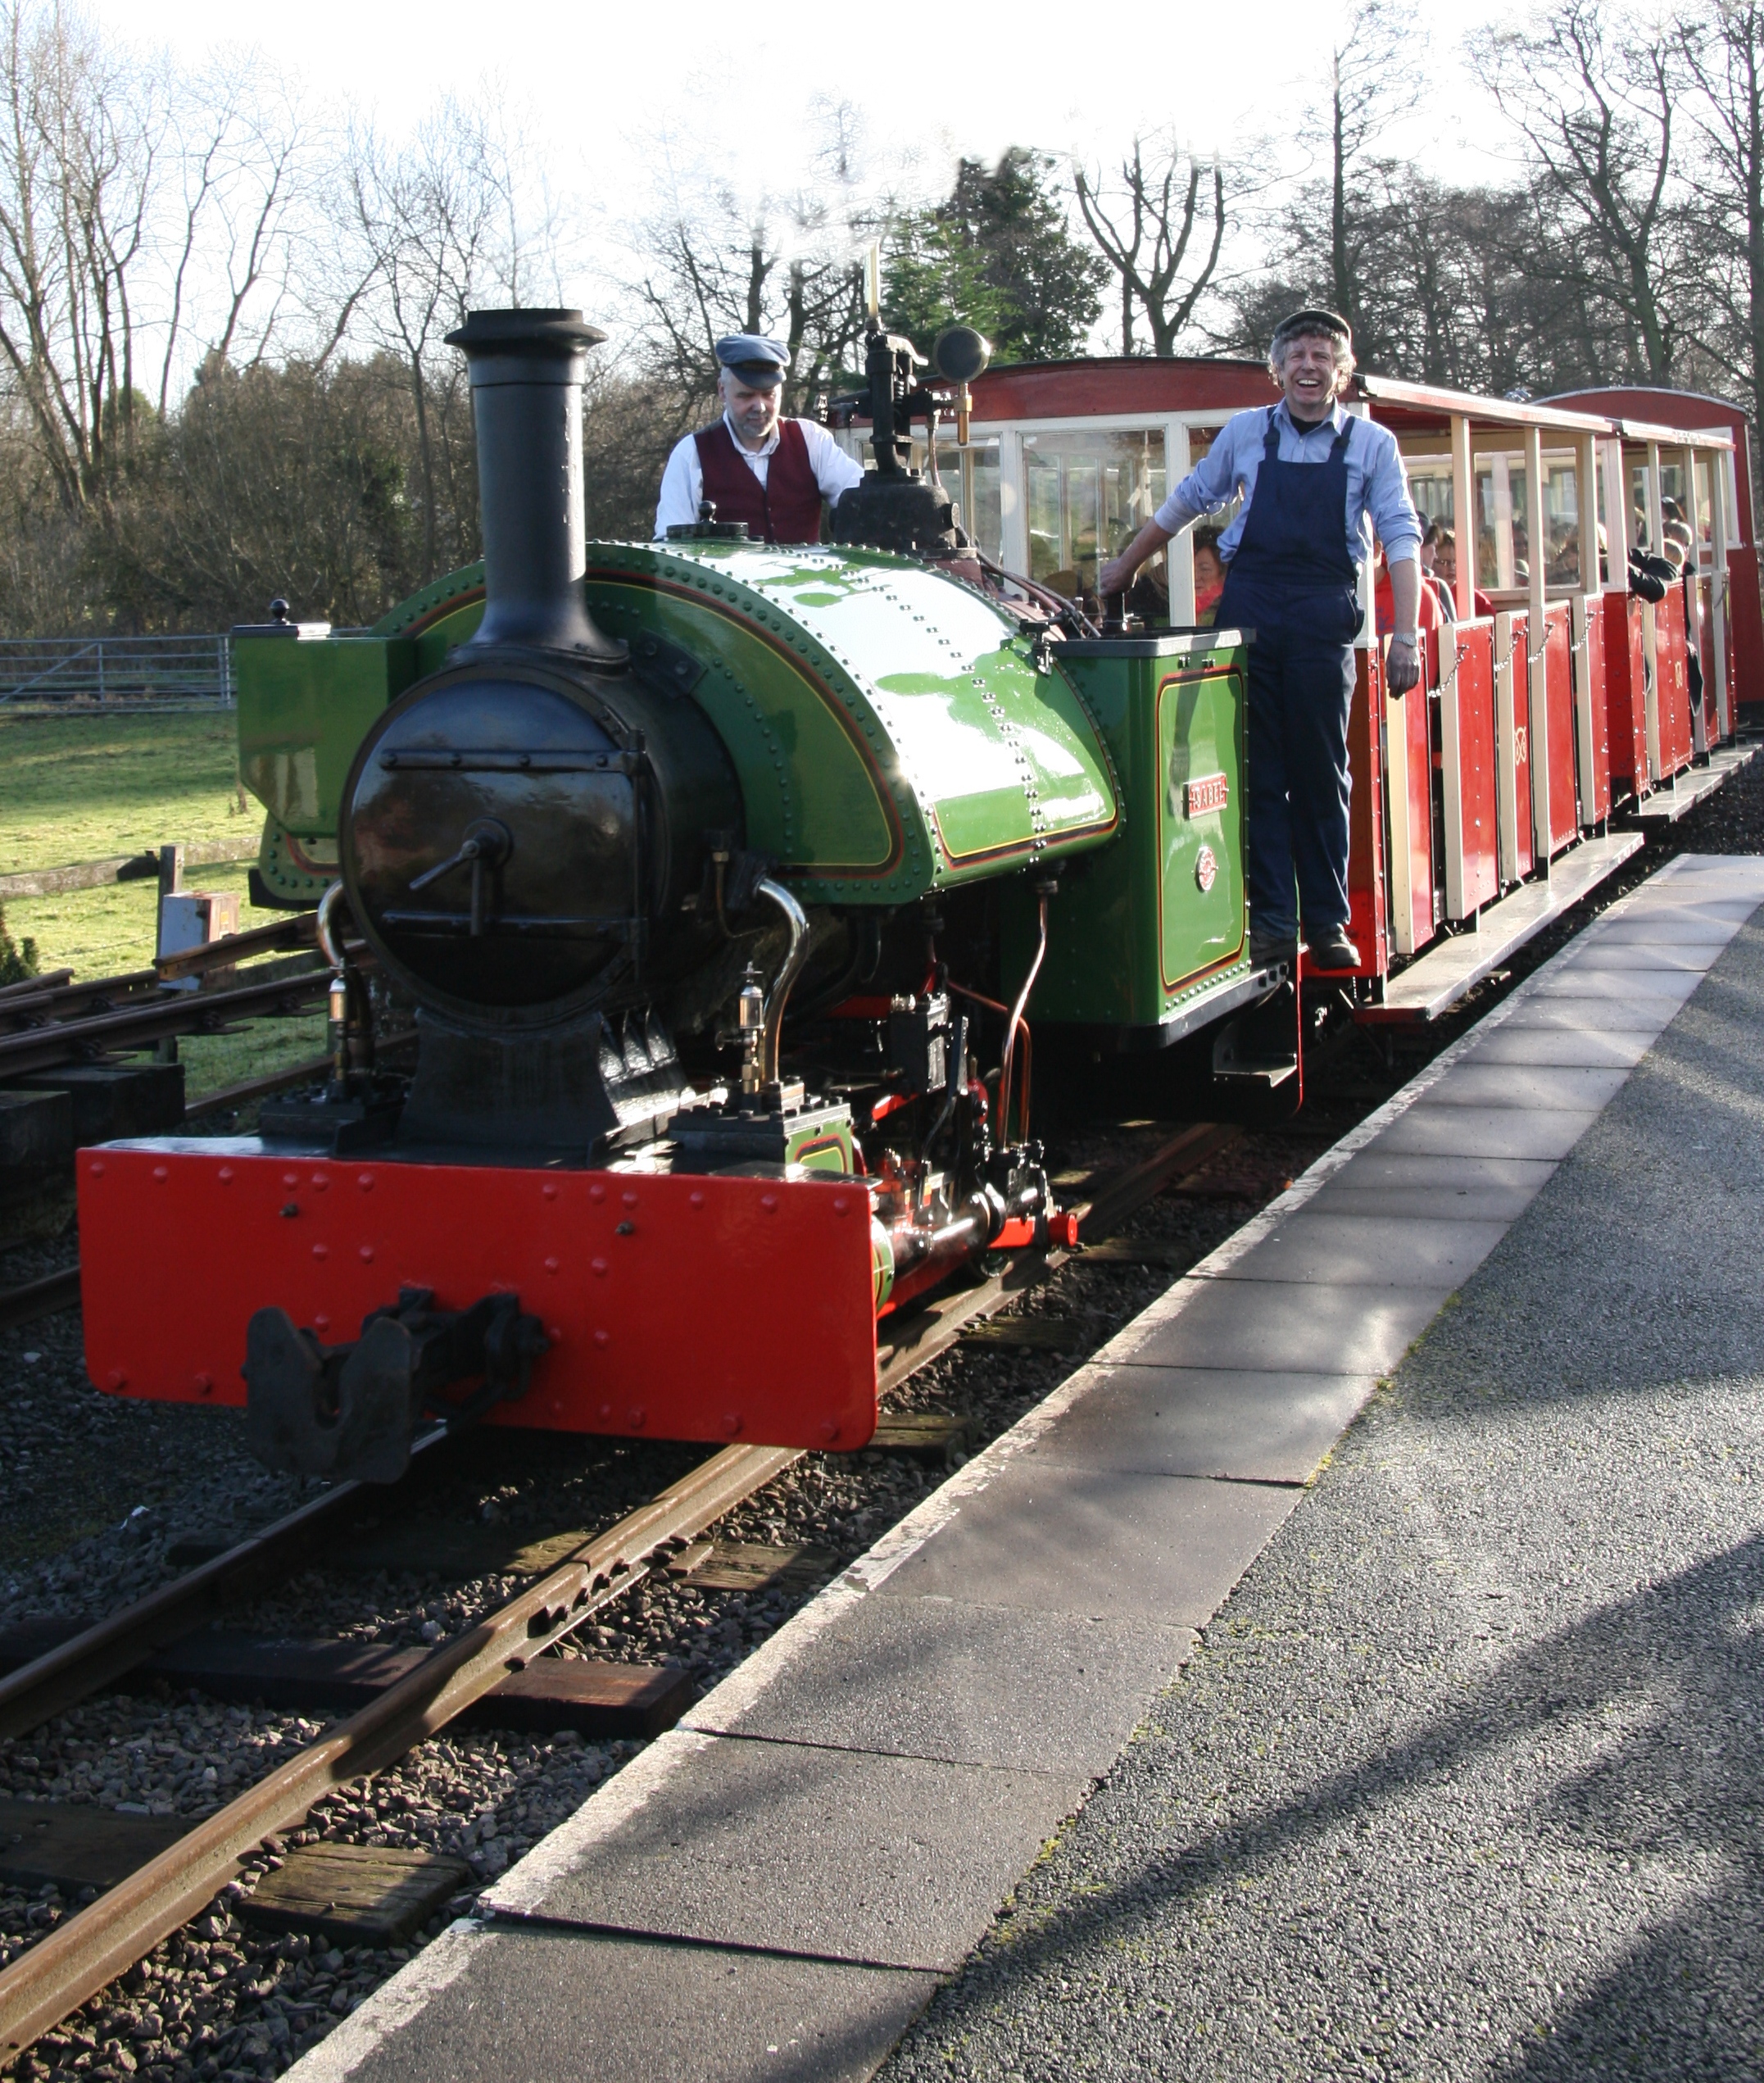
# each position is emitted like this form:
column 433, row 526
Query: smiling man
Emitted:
column 1317, row 484
column 753, row 466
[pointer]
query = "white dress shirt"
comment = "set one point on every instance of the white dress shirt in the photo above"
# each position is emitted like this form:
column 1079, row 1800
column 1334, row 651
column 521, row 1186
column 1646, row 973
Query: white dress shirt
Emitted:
column 683, row 482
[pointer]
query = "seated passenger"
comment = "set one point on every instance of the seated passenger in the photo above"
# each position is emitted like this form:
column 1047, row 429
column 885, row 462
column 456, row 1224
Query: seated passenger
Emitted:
column 1209, row 576
column 1431, row 614
column 1445, row 564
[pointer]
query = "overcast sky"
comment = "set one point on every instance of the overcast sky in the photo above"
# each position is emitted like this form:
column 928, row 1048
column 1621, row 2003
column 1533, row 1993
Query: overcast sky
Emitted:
column 607, row 95
column 601, row 77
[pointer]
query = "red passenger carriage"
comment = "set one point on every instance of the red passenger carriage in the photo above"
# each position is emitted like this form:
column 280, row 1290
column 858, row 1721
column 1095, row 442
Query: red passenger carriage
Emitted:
column 1535, row 726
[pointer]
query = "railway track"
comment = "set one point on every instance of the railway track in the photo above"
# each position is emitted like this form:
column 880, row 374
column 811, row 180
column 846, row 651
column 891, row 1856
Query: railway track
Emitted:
column 68, row 1967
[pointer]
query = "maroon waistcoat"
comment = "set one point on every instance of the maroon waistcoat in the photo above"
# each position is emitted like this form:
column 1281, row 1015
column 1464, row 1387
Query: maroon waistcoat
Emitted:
column 787, row 508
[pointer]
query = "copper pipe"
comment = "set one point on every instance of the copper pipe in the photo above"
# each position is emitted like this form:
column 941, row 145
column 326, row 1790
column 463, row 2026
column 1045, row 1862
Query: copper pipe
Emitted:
column 1016, row 1017
column 798, row 922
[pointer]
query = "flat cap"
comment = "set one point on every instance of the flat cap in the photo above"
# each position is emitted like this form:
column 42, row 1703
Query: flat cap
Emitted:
column 1301, row 323
column 760, row 363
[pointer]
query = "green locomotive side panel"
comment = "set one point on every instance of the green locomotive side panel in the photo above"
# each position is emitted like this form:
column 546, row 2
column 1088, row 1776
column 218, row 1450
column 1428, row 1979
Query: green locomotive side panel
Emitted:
column 813, row 799
column 946, row 736
column 304, row 706
column 893, row 729
column 1141, row 930
column 1203, row 907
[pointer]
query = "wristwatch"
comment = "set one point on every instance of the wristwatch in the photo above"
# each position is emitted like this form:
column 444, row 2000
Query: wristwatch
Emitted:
column 1413, row 642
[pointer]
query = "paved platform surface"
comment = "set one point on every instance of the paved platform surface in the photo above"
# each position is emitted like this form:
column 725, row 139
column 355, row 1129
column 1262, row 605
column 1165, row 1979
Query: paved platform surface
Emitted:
column 1462, row 1776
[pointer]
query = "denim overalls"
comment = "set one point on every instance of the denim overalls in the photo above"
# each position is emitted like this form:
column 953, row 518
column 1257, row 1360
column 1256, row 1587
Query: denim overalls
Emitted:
column 1293, row 583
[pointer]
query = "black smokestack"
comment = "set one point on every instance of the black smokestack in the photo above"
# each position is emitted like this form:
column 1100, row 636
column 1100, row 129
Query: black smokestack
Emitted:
column 526, row 371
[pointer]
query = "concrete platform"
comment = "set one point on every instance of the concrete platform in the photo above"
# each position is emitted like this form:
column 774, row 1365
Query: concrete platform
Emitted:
column 776, row 1888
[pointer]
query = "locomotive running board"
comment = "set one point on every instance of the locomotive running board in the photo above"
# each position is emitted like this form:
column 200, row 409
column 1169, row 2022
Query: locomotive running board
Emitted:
column 713, row 1308
column 1447, row 973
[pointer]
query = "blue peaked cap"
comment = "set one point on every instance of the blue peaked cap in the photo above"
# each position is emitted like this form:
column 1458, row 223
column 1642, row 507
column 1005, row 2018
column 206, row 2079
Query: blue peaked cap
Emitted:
column 758, row 362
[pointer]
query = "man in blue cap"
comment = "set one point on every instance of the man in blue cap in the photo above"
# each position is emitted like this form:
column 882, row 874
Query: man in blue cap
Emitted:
column 1316, row 483
column 753, row 466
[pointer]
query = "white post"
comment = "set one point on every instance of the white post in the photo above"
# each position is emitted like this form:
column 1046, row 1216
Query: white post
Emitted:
column 1699, row 724
column 1537, row 630
column 1721, row 466
column 1585, row 606
column 1014, row 506
column 1617, row 529
column 1586, row 491
column 1464, row 517
column 1368, row 636
column 1504, row 557
column 1180, row 557
column 1506, row 749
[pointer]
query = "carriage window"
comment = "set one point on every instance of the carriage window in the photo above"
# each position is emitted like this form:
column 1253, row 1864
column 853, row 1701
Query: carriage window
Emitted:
column 1561, row 522
column 1087, row 496
column 1431, row 488
column 970, row 478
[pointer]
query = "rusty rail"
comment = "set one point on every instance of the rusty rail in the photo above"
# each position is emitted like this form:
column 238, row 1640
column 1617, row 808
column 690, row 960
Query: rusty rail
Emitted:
column 167, row 1013
column 34, row 1298
column 77, row 1959
column 300, row 931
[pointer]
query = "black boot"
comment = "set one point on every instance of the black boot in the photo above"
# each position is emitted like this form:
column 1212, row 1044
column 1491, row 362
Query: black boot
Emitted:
column 1266, row 950
column 1334, row 951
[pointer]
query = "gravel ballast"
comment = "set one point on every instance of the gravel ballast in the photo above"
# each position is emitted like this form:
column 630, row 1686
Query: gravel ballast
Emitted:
column 1464, row 1781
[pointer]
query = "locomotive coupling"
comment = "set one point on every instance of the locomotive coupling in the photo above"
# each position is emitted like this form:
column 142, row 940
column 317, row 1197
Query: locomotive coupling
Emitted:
column 350, row 1411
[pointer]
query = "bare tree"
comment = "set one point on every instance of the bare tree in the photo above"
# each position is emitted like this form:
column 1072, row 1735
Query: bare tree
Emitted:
column 1595, row 95
column 428, row 222
column 716, row 259
column 1723, row 54
column 1145, row 230
column 77, row 162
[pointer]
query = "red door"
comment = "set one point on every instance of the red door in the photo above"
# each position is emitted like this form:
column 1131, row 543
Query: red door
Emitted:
column 1366, row 819
column 1591, row 691
column 1672, row 689
column 1521, row 719
column 1558, row 683
column 1468, row 720
column 1625, row 709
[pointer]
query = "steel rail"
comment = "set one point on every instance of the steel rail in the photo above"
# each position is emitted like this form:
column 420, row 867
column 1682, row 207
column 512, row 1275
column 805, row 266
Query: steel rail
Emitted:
column 300, row 931
column 61, row 1001
column 62, row 1676
column 78, row 1958
column 34, row 1298
column 50, row 980
column 42, row 1048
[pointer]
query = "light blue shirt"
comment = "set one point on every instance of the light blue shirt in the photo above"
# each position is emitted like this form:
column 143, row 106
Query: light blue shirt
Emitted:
column 1377, row 485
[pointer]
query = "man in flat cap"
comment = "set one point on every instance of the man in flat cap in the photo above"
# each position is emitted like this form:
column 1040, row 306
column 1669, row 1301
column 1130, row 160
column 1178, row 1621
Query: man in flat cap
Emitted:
column 752, row 465
column 1317, row 483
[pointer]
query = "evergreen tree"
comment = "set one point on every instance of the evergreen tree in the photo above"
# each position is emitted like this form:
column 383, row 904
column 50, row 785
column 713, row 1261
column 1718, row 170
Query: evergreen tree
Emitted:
column 1000, row 255
column 16, row 962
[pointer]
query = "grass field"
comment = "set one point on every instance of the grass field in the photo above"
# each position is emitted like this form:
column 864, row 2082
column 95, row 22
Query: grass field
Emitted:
column 82, row 788
column 78, row 787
